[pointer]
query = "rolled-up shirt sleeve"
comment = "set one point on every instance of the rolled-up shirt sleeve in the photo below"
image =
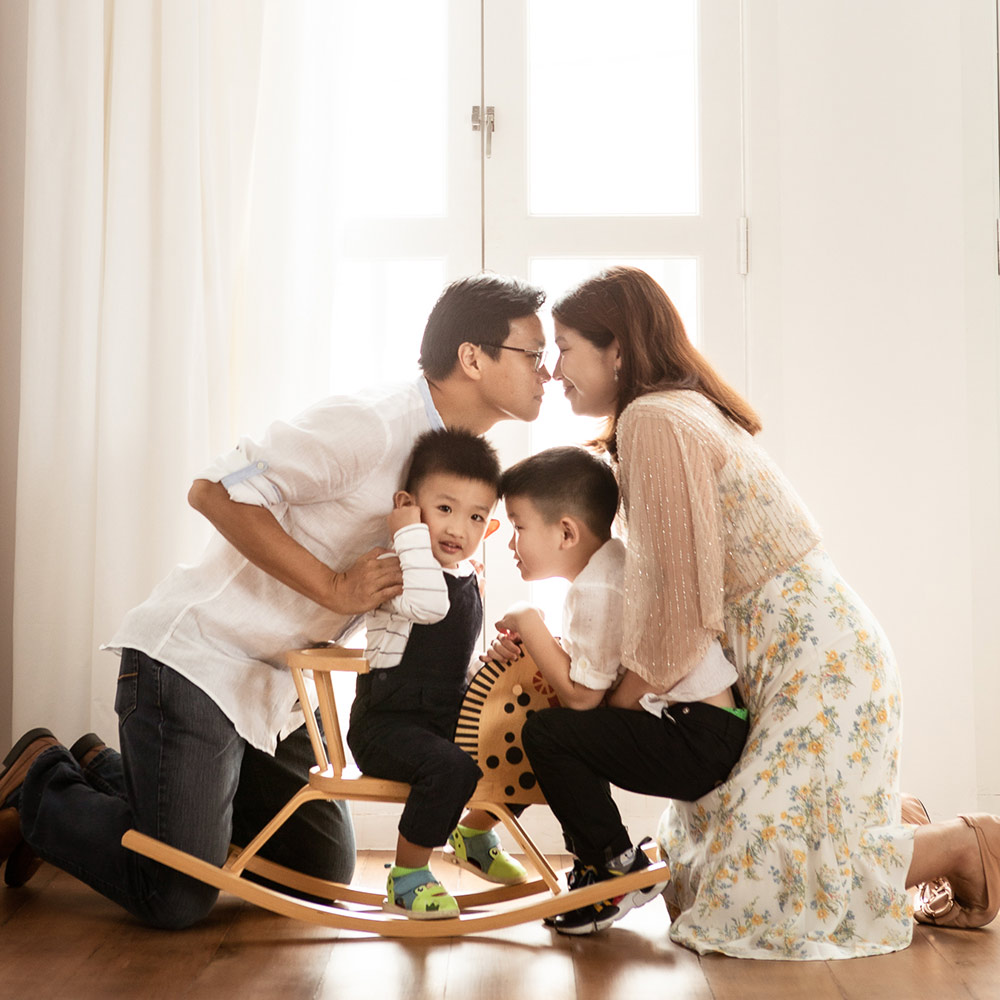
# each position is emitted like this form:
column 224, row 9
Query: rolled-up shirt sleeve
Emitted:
column 323, row 453
column 592, row 620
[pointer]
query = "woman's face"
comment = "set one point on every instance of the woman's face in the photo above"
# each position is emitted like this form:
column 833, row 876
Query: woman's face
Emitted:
column 586, row 372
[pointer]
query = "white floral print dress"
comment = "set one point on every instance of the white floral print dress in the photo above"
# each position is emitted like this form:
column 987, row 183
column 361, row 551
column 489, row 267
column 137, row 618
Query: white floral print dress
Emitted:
column 800, row 854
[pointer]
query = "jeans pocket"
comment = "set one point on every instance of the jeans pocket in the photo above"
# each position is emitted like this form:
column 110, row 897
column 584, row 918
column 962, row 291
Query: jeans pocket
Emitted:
column 127, row 692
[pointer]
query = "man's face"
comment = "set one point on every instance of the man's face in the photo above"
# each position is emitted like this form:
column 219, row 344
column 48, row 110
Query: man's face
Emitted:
column 510, row 384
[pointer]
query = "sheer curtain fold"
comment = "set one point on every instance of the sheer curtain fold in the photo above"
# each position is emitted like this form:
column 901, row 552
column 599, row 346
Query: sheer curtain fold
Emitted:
column 141, row 123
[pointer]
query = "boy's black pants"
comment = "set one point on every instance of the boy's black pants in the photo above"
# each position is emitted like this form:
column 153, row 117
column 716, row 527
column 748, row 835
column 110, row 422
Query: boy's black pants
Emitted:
column 577, row 756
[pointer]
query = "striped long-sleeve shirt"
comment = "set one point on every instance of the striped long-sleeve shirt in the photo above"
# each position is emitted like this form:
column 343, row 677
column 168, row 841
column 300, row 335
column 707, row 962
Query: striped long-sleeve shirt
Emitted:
column 424, row 599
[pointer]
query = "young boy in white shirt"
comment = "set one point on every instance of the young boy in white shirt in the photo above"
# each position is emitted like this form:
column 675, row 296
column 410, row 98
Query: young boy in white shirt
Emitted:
column 562, row 503
column 420, row 645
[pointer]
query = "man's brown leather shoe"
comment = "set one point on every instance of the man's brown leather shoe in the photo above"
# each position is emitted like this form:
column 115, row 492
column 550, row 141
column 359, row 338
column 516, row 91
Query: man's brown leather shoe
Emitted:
column 21, row 860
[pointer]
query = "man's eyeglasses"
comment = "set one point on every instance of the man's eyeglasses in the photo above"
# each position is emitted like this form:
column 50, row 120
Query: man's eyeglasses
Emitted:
column 538, row 357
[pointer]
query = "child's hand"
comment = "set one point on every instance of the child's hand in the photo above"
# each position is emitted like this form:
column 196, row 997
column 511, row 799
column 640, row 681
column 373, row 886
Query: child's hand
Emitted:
column 400, row 517
column 516, row 614
column 504, row 648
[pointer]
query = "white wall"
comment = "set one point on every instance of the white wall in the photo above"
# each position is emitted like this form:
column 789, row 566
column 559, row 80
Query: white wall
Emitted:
column 873, row 321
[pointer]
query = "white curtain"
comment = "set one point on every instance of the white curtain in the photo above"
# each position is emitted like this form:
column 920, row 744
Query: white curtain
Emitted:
column 163, row 263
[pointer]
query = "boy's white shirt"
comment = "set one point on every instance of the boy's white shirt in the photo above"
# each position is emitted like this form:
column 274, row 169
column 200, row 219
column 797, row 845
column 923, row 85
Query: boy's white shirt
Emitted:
column 592, row 618
column 592, row 626
column 424, row 599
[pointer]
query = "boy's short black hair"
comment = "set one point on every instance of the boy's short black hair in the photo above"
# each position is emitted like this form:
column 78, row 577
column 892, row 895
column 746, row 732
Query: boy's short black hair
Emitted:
column 454, row 451
column 566, row 480
column 477, row 310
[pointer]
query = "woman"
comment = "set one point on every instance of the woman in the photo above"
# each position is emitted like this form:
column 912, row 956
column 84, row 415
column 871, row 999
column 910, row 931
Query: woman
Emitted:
column 800, row 853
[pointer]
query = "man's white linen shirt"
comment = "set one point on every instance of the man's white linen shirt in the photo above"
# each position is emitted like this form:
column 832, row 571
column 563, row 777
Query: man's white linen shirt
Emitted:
column 328, row 477
column 424, row 599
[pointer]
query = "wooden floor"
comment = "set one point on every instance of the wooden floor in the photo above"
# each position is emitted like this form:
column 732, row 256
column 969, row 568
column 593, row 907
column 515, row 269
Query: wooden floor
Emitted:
column 60, row 940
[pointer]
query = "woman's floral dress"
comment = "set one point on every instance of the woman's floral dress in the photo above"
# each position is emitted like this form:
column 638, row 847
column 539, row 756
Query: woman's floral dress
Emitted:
column 800, row 854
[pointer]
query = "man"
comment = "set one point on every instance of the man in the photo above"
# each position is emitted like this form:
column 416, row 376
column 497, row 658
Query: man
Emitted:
column 212, row 738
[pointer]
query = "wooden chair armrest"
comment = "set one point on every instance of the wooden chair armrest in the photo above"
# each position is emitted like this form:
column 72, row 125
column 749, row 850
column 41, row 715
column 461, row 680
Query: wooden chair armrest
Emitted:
column 328, row 659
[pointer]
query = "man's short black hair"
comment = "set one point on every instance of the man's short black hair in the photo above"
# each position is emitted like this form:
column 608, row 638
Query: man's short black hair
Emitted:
column 478, row 310
column 454, row 451
column 566, row 480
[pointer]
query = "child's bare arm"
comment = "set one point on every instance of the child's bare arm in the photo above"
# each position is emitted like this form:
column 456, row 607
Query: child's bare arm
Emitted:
column 628, row 692
column 551, row 659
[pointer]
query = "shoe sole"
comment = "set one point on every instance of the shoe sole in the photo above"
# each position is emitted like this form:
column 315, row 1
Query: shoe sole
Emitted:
column 17, row 762
column 621, row 905
column 388, row 907
column 83, row 746
column 22, row 744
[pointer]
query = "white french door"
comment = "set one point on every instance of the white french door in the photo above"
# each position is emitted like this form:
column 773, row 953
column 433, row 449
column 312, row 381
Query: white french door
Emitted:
column 616, row 139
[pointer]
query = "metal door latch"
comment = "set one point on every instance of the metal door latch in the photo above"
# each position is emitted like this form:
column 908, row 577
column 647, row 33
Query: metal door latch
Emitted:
column 489, row 124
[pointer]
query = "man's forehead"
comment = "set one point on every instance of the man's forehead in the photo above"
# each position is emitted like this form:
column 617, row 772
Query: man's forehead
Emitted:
column 526, row 331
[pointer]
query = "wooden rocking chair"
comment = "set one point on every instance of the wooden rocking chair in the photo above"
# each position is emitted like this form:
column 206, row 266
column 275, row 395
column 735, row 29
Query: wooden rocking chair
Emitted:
column 493, row 711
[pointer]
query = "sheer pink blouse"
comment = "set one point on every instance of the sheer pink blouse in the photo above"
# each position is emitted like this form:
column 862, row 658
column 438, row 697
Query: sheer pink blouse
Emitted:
column 710, row 517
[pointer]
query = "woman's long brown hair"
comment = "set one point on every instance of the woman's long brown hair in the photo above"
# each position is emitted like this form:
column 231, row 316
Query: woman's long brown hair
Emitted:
column 627, row 305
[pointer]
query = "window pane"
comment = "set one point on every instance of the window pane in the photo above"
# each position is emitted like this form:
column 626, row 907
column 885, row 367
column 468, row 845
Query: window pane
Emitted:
column 393, row 102
column 613, row 107
column 379, row 312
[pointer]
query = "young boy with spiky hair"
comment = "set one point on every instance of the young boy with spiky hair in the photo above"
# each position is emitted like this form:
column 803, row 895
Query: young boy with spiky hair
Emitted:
column 420, row 645
column 562, row 503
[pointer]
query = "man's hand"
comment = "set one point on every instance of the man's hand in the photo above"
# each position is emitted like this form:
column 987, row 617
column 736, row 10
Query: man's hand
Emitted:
column 375, row 578
column 255, row 533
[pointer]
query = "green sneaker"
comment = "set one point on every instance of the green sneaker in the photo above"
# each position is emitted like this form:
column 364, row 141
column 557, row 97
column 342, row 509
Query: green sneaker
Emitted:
column 417, row 894
column 479, row 851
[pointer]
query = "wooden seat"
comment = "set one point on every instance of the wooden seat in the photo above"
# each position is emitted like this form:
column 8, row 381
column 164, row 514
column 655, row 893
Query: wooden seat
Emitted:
column 498, row 700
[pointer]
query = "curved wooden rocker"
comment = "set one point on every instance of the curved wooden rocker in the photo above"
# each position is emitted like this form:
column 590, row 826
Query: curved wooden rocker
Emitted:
column 495, row 706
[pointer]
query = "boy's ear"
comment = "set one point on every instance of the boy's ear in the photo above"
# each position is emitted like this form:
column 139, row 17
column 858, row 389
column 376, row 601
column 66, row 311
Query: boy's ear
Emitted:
column 403, row 499
column 570, row 532
column 468, row 360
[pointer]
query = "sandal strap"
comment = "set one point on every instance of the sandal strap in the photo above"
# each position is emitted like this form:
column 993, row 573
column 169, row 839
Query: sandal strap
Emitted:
column 477, row 846
column 407, row 885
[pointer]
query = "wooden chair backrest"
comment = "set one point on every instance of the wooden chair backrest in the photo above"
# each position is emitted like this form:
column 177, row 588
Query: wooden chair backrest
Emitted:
column 322, row 663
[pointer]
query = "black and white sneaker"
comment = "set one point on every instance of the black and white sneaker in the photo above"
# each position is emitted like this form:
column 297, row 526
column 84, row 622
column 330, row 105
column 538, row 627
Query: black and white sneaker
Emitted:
column 598, row 916
column 579, row 876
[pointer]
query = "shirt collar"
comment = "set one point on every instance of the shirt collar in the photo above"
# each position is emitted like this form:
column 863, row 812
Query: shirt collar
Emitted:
column 433, row 417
